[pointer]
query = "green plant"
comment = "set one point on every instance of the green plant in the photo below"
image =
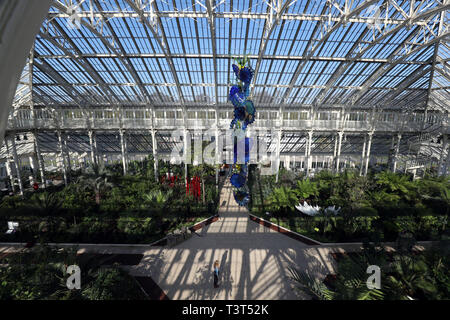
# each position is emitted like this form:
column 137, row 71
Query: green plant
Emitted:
column 47, row 203
column 282, row 199
column 99, row 186
column 305, row 189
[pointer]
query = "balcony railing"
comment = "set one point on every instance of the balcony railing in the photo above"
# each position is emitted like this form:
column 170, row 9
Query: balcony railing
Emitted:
column 24, row 121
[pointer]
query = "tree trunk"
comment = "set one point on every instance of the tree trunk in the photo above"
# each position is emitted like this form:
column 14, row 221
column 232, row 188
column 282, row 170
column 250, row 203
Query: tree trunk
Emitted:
column 97, row 197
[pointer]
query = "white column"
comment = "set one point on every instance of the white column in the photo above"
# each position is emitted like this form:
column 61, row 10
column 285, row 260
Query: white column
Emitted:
column 288, row 162
column 369, row 144
column 363, row 155
column 306, row 155
column 92, row 146
column 123, row 149
column 308, row 152
column 217, row 154
column 66, row 152
column 16, row 164
column 333, row 162
column 96, row 154
column 186, row 155
column 279, row 133
column 155, row 154
column 338, row 152
column 442, row 156
column 61, row 154
column 8, row 166
column 446, row 163
column 40, row 160
column 397, row 149
column 33, row 169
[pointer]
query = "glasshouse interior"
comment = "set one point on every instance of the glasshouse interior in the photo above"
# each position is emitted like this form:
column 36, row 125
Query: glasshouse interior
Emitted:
column 224, row 149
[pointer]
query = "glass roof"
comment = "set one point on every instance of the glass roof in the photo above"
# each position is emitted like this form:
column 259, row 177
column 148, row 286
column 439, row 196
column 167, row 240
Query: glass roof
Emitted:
column 179, row 52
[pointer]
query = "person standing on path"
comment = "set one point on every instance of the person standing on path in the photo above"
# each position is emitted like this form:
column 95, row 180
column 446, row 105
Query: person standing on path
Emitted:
column 216, row 274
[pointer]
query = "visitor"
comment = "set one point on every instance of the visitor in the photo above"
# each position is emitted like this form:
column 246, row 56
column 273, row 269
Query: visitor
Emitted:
column 216, row 274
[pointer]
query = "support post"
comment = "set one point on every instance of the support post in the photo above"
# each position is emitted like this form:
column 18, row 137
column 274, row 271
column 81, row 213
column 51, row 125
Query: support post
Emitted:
column 123, row 149
column 41, row 163
column 8, row 166
column 369, row 144
column 308, row 153
column 363, row 155
column 186, row 155
column 61, row 154
column 447, row 162
column 92, row 146
column 16, row 165
column 218, row 157
column 397, row 150
column 155, row 154
column 279, row 133
column 442, row 156
column 333, row 162
column 33, row 169
column 67, row 153
column 338, row 153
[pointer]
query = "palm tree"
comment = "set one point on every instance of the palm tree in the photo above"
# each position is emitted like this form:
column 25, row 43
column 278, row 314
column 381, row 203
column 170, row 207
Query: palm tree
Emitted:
column 283, row 198
column 47, row 203
column 158, row 198
column 306, row 188
column 316, row 289
column 99, row 186
column 349, row 284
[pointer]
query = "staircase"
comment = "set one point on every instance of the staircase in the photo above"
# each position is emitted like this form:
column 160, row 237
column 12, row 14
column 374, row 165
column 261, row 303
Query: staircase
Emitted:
column 423, row 148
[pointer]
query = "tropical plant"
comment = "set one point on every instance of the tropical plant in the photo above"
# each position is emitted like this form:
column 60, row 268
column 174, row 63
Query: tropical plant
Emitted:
column 158, row 197
column 395, row 184
column 305, row 189
column 47, row 203
column 282, row 199
column 99, row 186
column 40, row 273
column 348, row 286
column 313, row 287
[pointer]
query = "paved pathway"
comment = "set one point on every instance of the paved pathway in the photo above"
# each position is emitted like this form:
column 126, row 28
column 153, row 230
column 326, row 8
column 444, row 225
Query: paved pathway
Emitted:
column 253, row 260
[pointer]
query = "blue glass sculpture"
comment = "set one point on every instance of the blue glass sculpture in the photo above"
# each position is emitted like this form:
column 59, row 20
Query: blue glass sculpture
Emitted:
column 244, row 114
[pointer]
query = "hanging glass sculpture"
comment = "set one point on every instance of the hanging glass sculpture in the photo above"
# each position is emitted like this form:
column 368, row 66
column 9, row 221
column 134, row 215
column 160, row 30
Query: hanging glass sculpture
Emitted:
column 244, row 114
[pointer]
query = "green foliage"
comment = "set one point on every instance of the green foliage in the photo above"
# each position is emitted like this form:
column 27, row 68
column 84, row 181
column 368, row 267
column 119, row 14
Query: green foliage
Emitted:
column 112, row 284
column 47, row 203
column 405, row 275
column 313, row 287
column 282, row 199
column 95, row 206
column 306, row 189
column 378, row 206
column 40, row 274
column 158, row 198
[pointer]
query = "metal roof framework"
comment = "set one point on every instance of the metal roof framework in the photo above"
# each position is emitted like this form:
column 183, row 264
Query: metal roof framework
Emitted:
column 178, row 54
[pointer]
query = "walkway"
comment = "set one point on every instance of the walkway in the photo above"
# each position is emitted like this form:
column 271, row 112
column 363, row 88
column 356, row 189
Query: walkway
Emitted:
column 253, row 260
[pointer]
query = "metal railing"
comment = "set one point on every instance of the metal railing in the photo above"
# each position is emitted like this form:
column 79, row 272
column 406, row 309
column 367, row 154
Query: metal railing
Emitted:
column 24, row 121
